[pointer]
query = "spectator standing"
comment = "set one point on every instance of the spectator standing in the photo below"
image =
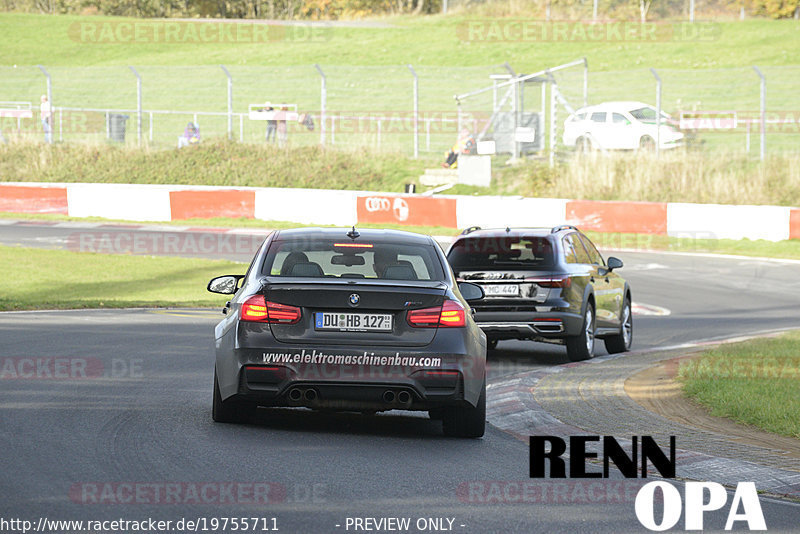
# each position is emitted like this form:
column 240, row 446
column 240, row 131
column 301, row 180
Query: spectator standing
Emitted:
column 191, row 135
column 272, row 125
column 46, row 112
column 282, row 133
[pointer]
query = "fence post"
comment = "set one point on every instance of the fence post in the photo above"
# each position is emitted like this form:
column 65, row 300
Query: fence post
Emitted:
column 458, row 115
column 515, row 122
column 553, row 123
column 658, row 111
column 594, row 10
column 230, row 101
column 138, row 105
column 323, row 100
column 428, row 135
column 763, row 111
column 691, row 10
column 586, row 82
column 416, row 111
column 49, row 97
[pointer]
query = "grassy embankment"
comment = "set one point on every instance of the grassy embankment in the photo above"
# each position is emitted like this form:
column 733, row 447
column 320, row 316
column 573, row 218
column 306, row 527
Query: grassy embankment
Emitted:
column 366, row 72
column 58, row 279
column 754, row 382
column 674, row 177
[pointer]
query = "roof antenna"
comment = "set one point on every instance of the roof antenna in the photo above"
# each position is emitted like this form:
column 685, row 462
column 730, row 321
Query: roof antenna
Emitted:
column 353, row 234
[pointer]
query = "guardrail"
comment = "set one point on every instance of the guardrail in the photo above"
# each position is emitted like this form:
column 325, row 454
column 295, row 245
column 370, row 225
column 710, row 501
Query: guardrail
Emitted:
column 344, row 208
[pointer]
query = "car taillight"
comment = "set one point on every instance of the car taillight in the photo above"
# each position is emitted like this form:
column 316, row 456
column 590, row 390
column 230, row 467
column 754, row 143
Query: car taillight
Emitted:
column 451, row 314
column 555, row 281
column 256, row 308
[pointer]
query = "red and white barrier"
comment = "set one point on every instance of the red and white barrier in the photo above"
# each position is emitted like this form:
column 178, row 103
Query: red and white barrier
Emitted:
column 343, row 208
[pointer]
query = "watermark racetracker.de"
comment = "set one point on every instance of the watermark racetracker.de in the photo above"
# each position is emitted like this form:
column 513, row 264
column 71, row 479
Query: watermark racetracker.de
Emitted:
column 195, row 32
column 549, row 492
column 221, row 493
column 69, row 368
column 167, row 243
column 538, row 31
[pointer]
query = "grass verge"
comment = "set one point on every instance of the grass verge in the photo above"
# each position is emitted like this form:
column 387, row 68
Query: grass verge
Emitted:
column 427, row 40
column 57, row 279
column 212, row 163
column 678, row 176
column 754, row 382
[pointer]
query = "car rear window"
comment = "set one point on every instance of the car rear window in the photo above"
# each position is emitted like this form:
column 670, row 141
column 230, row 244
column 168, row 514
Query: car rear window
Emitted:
column 506, row 253
column 346, row 259
column 644, row 114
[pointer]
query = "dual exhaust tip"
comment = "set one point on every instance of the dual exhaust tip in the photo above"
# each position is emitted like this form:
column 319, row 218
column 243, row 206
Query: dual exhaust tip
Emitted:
column 297, row 394
column 402, row 398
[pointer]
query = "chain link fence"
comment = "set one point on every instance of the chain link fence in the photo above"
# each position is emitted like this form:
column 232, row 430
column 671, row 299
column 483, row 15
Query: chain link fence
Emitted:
column 374, row 107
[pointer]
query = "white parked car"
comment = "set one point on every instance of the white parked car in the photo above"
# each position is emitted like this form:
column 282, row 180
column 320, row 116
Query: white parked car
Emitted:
column 619, row 126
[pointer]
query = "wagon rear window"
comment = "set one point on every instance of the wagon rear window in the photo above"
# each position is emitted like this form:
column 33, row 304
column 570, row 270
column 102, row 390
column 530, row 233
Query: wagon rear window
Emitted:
column 501, row 253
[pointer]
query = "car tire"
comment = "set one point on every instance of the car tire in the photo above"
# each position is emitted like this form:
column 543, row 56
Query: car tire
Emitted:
column 583, row 145
column 231, row 410
column 469, row 422
column 581, row 347
column 622, row 341
column 647, row 144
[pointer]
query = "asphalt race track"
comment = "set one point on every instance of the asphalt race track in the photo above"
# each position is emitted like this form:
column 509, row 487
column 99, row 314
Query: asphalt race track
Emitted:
column 115, row 423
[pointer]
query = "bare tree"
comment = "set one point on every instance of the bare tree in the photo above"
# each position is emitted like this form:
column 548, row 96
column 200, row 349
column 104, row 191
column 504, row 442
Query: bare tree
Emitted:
column 644, row 7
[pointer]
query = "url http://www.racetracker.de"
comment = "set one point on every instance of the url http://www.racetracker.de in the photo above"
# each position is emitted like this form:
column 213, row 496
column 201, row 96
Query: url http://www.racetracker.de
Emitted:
column 196, row 524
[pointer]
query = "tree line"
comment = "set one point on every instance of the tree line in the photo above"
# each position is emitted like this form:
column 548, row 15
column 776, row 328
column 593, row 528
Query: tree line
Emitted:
column 334, row 9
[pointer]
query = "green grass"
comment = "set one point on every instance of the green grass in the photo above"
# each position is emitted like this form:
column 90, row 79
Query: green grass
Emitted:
column 674, row 177
column 431, row 40
column 211, row 163
column 57, row 279
column 754, row 382
column 366, row 74
column 759, row 248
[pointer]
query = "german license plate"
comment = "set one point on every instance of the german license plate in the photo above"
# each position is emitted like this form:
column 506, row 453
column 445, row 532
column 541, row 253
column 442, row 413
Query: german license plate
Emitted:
column 353, row 322
column 501, row 290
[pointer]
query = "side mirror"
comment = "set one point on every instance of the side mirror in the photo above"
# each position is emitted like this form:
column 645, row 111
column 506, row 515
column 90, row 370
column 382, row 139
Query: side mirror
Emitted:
column 614, row 263
column 470, row 291
column 225, row 284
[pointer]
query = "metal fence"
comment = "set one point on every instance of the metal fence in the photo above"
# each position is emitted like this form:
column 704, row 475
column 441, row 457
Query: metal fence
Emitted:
column 761, row 102
column 408, row 109
column 361, row 106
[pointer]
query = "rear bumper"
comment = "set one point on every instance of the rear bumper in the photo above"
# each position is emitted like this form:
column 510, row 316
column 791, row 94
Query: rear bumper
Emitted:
column 374, row 396
column 368, row 381
column 529, row 325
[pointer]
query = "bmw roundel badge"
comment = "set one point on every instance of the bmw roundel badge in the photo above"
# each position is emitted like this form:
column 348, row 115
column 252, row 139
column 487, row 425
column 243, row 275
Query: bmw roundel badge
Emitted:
column 354, row 299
